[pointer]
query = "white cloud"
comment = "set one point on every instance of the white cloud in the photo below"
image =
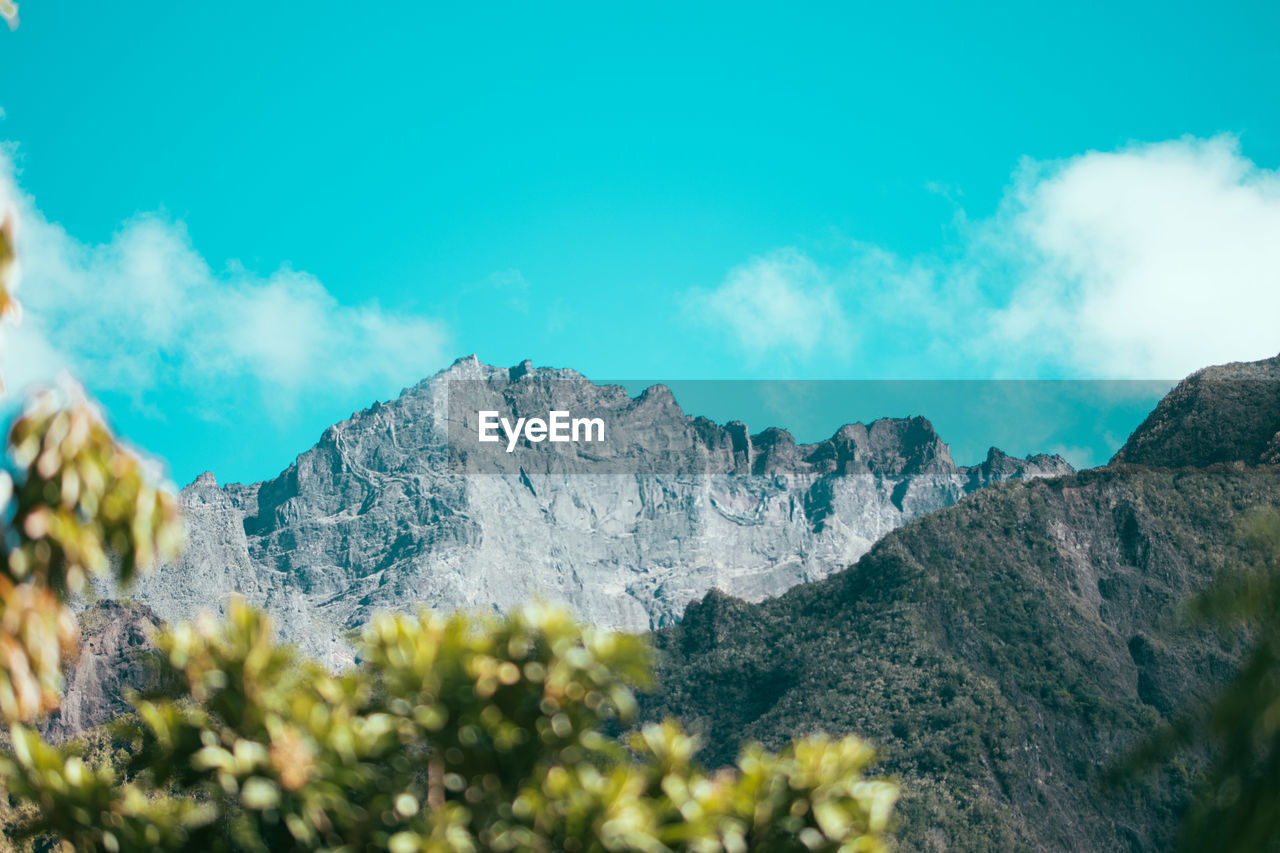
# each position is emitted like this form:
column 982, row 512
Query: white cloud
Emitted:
column 146, row 311
column 1150, row 261
column 781, row 303
column 1153, row 260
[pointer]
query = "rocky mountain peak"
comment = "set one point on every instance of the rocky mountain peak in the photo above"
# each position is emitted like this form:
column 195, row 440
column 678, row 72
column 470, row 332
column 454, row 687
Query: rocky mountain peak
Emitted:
column 205, row 480
column 378, row 515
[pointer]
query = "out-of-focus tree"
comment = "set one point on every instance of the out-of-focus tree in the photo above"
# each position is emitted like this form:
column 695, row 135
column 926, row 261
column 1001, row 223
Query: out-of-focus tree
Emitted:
column 8, row 265
column 454, row 734
column 73, row 502
column 1238, row 807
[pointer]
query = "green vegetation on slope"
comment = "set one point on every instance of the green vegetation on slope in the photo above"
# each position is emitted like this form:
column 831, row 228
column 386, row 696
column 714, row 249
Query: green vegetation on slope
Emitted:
column 1004, row 653
column 1224, row 413
column 1236, row 809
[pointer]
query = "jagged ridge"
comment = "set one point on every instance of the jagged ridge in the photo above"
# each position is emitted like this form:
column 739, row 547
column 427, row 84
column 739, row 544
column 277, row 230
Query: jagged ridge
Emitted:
column 374, row 517
column 1006, row 651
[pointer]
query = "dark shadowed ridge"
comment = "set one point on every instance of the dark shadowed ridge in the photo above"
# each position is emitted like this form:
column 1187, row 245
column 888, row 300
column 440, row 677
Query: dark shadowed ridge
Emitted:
column 1225, row 413
column 1008, row 650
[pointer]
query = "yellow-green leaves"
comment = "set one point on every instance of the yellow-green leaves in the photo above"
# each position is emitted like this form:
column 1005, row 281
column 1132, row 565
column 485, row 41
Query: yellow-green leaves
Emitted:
column 81, row 497
column 75, row 500
column 458, row 733
column 10, row 309
column 36, row 631
column 8, row 254
column 88, row 808
column 814, row 793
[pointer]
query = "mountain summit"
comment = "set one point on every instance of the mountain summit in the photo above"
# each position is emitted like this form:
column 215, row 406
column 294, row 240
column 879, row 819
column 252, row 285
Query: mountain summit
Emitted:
column 376, row 515
column 1225, row 413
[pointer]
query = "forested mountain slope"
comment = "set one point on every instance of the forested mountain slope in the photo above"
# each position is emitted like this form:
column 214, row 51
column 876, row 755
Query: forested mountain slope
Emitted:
column 1219, row 414
column 1004, row 651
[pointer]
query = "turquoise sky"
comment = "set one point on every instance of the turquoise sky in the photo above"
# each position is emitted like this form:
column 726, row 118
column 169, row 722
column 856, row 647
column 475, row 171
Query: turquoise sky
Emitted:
column 577, row 184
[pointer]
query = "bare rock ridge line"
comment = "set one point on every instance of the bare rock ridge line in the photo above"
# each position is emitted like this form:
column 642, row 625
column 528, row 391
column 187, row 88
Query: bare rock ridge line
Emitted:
column 373, row 517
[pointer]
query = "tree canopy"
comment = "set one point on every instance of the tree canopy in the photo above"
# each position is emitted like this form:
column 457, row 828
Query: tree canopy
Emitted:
column 456, row 733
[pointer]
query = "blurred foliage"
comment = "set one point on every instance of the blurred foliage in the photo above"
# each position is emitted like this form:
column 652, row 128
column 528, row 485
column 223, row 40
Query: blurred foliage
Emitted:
column 1238, row 807
column 8, row 256
column 455, row 733
column 73, row 502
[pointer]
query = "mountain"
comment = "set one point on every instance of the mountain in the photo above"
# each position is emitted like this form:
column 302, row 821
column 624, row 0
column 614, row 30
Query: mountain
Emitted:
column 392, row 508
column 1006, row 651
column 1218, row 414
column 113, row 658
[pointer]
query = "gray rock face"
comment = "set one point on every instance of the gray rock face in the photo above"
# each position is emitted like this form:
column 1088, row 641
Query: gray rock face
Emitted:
column 377, row 516
column 115, row 657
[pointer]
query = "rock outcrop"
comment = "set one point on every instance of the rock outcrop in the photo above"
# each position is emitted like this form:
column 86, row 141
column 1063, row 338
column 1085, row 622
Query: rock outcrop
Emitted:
column 379, row 515
column 115, row 656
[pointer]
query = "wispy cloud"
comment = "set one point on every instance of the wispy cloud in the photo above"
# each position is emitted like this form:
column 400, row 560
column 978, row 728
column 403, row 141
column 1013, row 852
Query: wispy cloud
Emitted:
column 1150, row 261
column 146, row 311
column 778, row 305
